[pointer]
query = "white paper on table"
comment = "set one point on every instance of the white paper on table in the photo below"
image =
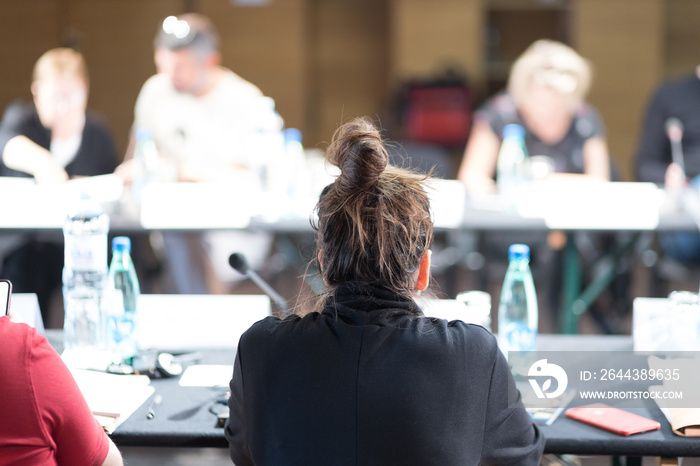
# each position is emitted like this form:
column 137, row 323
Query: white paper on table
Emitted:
column 193, row 322
column 199, row 205
column 207, row 375
column 112, row 398
column 451, row 309
column 447, row 202
column 570, row 203
column 29, row 205
column 650, row 324
column 101, row 188
column 24, row 308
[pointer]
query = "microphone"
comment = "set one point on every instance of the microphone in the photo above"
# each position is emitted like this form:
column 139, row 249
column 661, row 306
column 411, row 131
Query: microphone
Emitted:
column 239, row 263
column 674, row 132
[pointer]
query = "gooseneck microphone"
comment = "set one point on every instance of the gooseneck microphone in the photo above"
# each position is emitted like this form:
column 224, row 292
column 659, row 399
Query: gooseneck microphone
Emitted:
column 674, row 132
column 240, row 264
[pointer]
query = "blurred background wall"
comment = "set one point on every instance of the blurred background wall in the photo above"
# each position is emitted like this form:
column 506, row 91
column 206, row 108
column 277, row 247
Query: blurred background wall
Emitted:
column 324, row 61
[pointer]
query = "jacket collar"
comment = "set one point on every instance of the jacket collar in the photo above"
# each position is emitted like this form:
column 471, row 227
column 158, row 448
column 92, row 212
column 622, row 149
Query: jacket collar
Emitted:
column 369, row 303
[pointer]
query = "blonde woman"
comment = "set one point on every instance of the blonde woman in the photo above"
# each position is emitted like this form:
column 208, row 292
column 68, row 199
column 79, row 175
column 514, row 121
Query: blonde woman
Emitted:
column 56, row 138
column 52, row 139
column 545, row 94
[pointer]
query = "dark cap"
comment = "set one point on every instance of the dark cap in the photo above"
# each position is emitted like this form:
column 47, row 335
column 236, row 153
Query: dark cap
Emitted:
column 187, row 30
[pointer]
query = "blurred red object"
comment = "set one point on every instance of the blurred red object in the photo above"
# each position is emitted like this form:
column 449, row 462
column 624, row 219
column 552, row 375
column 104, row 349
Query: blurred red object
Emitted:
column 438, row 114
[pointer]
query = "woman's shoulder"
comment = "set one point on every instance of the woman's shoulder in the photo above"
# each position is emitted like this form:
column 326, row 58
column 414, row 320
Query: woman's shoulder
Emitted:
column 20, row 339
column 432, row 332
column 501, row 104
column 97, row 122
column 423, row 331
column 19, row 110
column 233, row 86
column 588, row 121
column 499, row 111
column 459, row 328
column 15, row 331
column 275, row 325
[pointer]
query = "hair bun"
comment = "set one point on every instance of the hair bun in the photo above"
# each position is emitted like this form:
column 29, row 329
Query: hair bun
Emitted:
column 358, row 151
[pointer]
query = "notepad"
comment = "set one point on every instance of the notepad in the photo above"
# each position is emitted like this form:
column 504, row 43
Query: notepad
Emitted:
column 578, row 203
column 112, row 398
column 682, row 413
column 207, row 375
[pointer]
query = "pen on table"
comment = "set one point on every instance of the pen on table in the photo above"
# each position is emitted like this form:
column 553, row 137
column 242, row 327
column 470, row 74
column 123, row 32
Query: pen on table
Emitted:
column 154, row 405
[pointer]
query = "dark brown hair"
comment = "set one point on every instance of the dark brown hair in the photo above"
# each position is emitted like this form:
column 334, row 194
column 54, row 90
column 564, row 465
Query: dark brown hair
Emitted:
column 374, row 222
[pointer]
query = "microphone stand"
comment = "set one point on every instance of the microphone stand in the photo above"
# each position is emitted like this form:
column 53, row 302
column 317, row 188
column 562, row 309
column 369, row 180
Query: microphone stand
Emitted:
column 267, row 289
column 238, row 262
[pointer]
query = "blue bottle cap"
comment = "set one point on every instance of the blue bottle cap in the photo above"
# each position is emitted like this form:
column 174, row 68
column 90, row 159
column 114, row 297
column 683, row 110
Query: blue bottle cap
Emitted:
column 292, row 134
column 513, row 130
column 142, row 135
column 121, row 243
column 519, row 251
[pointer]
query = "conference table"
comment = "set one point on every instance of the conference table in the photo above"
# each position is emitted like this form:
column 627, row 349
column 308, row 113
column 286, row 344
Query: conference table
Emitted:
column 185, row 418
column 566, row 204
column 627, row 210
column 188, row 416
column 631, row 212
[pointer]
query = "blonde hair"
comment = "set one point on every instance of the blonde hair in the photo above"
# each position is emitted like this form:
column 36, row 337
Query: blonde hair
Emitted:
column 550, row 64
column 61, row 61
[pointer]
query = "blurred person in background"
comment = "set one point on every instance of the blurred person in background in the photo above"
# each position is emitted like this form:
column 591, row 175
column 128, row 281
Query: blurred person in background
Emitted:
column 53, row 139
column 200, row 116
column 654, row 162
column 545, row 95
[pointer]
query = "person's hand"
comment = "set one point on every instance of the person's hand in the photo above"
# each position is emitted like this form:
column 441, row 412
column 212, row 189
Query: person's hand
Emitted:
column 675, row 177
column 125, row 171
column 212, row 172
column 49, row 173
column 477, row 184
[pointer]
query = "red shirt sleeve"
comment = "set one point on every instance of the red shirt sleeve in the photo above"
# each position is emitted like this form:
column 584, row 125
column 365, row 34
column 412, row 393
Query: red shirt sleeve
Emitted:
column 76, row 435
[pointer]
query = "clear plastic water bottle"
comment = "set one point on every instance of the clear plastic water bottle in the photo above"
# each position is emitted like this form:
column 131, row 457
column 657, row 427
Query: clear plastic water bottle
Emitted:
column 84, row 276
column 145, row 161
column 294, row 150
column 511, row 166
column 295, row 162
column 517, row 309
column 121, row 302
column 268, row 144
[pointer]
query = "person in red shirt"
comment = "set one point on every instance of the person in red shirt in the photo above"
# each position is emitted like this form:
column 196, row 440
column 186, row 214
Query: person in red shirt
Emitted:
column 44, row 418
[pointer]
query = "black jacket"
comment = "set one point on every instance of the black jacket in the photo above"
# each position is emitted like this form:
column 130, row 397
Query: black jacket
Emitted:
column 97, row 154
column 675, row 99
column 370, row 381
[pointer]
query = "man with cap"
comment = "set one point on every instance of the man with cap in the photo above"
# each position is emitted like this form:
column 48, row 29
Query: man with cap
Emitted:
column 201, row 117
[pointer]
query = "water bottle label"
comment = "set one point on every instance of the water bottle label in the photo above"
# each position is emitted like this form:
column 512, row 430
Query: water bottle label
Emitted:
column 120, row 327
column 519, row 337
column 82, row 318
column 87, row 253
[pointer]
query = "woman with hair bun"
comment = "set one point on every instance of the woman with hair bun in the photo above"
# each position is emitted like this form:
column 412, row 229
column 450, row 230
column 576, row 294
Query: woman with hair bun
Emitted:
column 367, row 379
